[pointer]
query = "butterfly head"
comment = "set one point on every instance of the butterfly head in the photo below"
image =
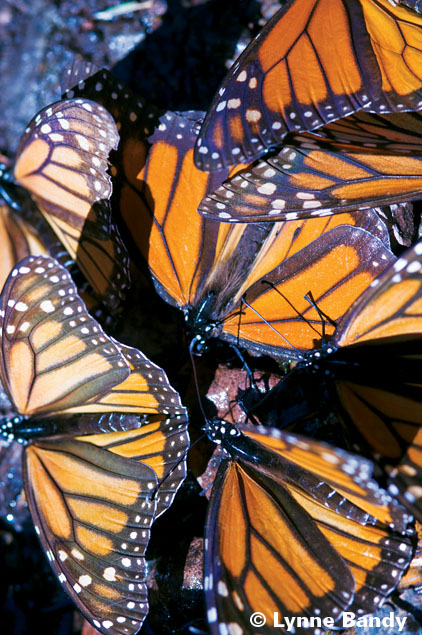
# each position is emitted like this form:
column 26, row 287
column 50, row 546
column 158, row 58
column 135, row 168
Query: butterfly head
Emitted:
column 9, row 428
column 219, row 430
column 313, row 357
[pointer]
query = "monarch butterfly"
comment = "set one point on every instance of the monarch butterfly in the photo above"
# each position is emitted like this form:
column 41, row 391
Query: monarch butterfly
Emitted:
column 289, row 80
column 367, row 161
column 62, row 161
column 296, row 528
column 205, row 268
column 373, row 366
column 108, row 441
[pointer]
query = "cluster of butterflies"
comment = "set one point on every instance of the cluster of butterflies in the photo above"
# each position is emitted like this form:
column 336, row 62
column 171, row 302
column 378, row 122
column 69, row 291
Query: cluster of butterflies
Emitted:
column 257, row 223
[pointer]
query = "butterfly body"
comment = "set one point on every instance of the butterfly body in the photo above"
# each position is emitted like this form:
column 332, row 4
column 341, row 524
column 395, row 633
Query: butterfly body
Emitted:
column 201, row 324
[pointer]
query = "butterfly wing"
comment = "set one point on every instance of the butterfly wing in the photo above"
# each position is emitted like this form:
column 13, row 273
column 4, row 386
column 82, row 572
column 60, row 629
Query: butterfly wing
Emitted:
column 147, row 389
column 62, row 160
column 390, row 307
column 385, row 326
column 57, row 358
column 255, row 539
column 93, row 510
column 336, row 267
column 277, row 541
column 43, row 320
column 311, row 179
column 387, row 551
column 288, row 79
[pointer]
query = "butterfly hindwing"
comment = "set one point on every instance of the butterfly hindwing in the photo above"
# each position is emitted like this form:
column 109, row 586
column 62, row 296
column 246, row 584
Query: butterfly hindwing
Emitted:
column 93, row 511
column 314, row 179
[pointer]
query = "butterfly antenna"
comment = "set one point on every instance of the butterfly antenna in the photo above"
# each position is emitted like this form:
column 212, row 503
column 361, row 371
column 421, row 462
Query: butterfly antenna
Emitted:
column 245, row 367
column 272, row 327
column 195, row 379
column 236, row 347
column 270, row 284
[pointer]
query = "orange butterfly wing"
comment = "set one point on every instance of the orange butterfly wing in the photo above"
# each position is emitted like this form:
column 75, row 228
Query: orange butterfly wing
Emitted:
column 315, row 61
column 93, row 500
column 359, row 162
column 387, row 323
column 336, row 268
column 274, row 535
column 62, row 160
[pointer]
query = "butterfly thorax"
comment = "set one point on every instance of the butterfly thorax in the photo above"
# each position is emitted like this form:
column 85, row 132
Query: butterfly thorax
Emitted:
column 24, row 428
column 314, row 358
column 201, row 324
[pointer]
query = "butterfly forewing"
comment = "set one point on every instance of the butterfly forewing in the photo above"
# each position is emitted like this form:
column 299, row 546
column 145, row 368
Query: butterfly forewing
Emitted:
column 62, row 160
column 289, row 79
column 392, row 306
column 336, row 268
column 54, row 355
column 157, row 186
